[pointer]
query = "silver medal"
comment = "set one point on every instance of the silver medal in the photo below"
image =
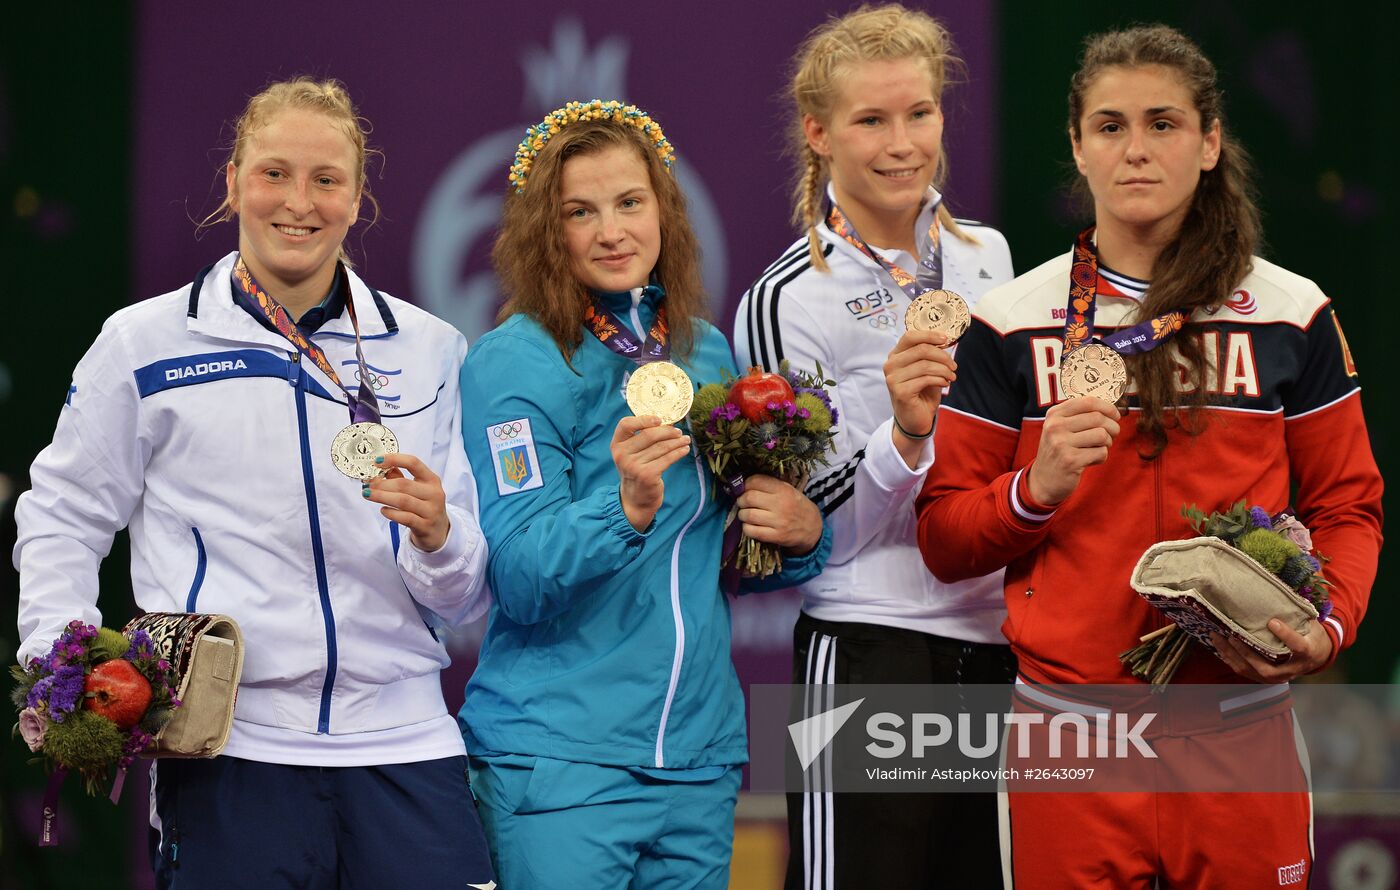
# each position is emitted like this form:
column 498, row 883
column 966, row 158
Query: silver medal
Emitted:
column 356, row 446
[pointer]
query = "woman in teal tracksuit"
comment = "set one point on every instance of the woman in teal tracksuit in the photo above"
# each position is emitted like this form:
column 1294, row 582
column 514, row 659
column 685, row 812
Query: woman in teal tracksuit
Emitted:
column 605, row 720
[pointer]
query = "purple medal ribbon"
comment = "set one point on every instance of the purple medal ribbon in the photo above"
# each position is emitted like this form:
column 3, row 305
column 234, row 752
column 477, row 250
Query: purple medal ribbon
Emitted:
column 1083, row 300
column 251, row 296
column 930, row 273
column 117, row 785
column 613, row 332
column 729, row 544
column 48, row 824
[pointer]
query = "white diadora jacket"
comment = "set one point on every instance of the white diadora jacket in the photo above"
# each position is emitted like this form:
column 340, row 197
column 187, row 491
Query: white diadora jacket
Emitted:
column 848, row 320
column 209, row 435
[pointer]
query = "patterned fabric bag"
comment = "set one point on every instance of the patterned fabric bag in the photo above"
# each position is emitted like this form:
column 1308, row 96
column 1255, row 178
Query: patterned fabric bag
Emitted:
column 206, row 652
column 1205, row 585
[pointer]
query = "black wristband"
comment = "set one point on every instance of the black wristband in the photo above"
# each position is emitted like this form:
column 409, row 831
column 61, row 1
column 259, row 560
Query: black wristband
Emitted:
column 909, row 435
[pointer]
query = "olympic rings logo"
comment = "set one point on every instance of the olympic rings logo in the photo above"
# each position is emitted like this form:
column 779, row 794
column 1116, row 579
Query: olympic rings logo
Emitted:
column 507, row 430
column 375, row 381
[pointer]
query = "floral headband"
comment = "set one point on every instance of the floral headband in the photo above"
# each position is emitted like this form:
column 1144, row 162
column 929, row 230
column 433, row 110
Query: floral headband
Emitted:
column 574, row 112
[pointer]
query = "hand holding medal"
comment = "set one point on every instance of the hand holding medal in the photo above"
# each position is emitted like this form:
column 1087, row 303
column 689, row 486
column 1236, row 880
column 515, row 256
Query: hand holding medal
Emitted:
column 917, row 372
column 412, row 495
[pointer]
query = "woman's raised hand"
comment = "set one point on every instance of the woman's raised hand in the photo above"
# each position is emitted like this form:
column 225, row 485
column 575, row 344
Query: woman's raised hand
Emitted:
column 414, row 499
column 1077, row 435
column 916, row 372
column 642, row 448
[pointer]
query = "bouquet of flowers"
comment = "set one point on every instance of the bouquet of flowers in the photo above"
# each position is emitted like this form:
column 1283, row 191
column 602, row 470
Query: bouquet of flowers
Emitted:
column 96, row 700
column 1279, row 544
column 779, row 425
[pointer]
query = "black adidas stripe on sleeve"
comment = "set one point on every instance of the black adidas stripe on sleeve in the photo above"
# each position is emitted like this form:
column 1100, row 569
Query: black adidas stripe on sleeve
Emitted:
column 765, row 341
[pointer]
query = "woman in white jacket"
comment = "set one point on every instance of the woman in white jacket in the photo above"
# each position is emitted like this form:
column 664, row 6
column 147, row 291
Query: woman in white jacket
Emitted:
column 206, row 421
column 869, row 125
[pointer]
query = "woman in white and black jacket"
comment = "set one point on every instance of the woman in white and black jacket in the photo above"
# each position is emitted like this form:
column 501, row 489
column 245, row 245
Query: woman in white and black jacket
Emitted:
column 869, row 132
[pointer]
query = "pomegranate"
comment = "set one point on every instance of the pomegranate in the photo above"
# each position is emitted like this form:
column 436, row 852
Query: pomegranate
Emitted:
column 116, row 690
column 752, row 393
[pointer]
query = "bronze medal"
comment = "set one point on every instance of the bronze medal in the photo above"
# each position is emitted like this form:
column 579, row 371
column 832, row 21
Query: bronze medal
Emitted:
column 939, row 310
column 1093, row 370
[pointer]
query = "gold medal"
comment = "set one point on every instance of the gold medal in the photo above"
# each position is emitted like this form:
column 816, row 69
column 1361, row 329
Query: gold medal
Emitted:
column 660, row 389
column 1093, row 370
column 939, row 310
column 356, row 446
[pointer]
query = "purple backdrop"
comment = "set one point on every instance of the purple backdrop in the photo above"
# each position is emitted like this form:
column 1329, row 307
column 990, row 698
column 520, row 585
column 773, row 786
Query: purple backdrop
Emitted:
column 450, row 89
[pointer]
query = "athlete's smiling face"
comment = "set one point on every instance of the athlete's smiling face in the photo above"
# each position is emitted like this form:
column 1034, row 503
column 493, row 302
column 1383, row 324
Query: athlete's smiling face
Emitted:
column 882, row 143
column 1141, row 147
column 296, row 196
column 612, row 222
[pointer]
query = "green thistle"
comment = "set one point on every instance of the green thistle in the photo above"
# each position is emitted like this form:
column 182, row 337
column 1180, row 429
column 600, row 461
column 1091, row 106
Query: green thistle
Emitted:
column 707, row 398
column 1267, row 548
column 818, row 417
column 109, row 644
column 85, row 741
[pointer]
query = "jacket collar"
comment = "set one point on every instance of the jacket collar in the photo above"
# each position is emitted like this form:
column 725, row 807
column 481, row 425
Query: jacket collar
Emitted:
column 213, row 313
column 622, row 302
column 931, row 201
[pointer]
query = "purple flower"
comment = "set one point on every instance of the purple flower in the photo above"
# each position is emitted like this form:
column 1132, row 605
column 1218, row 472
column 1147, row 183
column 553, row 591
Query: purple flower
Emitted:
column 1324, row 609
column 67, row 691
column 60, row 691
column 1260, row 518
column 725, row 412
column 135, row 743
column 1312, row 561
column 803, row 413
column 771, row 444
column 142, row 646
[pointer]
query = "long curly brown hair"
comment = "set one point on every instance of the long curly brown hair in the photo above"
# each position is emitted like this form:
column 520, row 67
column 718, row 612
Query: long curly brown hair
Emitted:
column 1213, row 251
column 532, row 262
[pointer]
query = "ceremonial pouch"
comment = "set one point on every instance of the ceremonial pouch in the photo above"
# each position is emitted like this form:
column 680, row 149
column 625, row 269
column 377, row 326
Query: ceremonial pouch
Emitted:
column 1205, row 585
column 206, row 654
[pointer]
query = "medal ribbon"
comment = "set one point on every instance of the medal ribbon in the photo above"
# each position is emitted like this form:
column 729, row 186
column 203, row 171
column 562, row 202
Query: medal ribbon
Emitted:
column 250, row 295
column 1083, row 296
column 930, row 275
column 613, row 332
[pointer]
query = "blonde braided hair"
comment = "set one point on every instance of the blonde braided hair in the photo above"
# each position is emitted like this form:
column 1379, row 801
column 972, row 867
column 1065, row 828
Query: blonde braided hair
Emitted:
column 870, row 33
